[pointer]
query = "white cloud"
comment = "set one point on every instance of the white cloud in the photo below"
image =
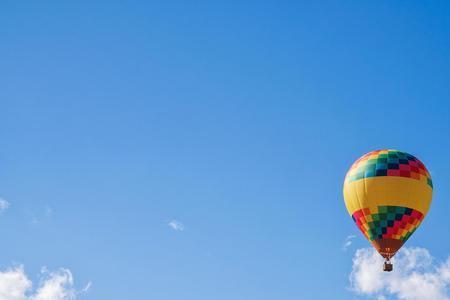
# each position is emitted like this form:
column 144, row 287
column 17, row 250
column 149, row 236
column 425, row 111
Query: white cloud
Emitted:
column 176, row 225
column 55, row 286
column 4, row 205
column 416, row 275
column 58, row 285
column 14, row 284
column 348, row 242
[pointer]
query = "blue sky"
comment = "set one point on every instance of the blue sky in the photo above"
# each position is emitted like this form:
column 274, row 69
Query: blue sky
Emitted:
column 238, row 120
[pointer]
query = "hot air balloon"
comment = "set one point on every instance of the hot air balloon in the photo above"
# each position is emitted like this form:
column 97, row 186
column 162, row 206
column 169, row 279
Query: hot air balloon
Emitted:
column 388, row 193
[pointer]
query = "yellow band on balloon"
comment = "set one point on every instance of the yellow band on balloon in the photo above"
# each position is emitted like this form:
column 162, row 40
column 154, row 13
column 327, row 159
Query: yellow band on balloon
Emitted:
column 387, row 190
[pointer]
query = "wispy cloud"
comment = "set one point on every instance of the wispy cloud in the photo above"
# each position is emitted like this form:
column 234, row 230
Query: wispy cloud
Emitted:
column 416, row 276
column 57, row 285
column 176, row 225
column 42, row 216
column 4, row 205
column 48, row 211
column 348, row 242
column 86, row 287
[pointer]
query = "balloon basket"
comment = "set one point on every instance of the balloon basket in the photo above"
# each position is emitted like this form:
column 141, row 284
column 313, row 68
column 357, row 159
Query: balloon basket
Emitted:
column 387, row 267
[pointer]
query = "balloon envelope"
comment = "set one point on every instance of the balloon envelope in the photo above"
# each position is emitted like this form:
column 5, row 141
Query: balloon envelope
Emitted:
column 388, row 193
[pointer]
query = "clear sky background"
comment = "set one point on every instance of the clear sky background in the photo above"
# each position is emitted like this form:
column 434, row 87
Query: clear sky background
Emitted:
column 233, row 121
